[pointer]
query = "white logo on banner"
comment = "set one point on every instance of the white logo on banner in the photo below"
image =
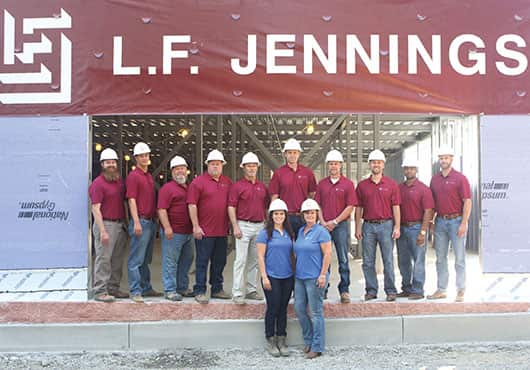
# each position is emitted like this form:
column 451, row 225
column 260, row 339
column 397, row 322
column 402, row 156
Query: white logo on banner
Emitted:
column 26, row 56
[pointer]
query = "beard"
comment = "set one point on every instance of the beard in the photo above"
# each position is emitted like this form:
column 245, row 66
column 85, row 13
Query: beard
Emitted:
column 111, row 174
column 181, row 180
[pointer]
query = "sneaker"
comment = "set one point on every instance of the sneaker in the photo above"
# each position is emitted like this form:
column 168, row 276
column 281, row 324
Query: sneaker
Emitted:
column 460, row 295
column 254, row 296
column 416, row 296
column 271, row 347
column 137, row 298
column 345, row 297
column 152, row 293
column 403, row 294
column 173, row 296
column 311, row 355
column 119, row 294
column 104, row 297
column 390, row 297
column 239, row 300
column 202, row 298
column 439, row 294
column 369, row 296
column 221, row 295
column 187, row 293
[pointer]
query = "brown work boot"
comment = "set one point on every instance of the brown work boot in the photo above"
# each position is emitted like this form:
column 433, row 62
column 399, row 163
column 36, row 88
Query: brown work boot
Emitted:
column 221, row 295
column 272, row 348
column 306, row 349
column 187, row 293
column 369, row 296
column 439, row 294
column 152, row 293
column 403, row 294
column 311, row 355
column 345, row 297
column 202, row 298
column 416, row 296
column 282, row 346
column 119, row 294
column 137, row 298
column 104, row 297
column 460, row 295
column 390, row 297
column 254, row 296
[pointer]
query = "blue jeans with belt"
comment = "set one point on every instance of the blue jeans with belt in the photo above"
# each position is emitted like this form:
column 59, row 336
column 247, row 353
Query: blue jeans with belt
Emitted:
column 411, row 259
column 309, row 307
column 140, row 256
column 177, row 256
column 373, row 234
column 445, row 231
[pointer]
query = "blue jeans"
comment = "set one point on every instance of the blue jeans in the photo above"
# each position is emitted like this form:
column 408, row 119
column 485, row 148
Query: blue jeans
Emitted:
column 341, row 236
column 445, row 231
column 372, row 235
column 411, row 259
column 140, row 256
column 210, row 250
column 177, row 256
column 309, row 297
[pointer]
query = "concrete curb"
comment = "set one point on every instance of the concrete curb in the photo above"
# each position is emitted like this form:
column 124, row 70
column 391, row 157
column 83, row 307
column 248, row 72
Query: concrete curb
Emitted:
column 212, row 334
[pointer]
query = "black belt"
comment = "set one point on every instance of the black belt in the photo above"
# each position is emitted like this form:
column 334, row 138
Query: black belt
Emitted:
column 450, row 216
column 146, row 218
column 410, row 223
column 113, row 219
column 377, row 221
column 294, row 214
column 252, row 222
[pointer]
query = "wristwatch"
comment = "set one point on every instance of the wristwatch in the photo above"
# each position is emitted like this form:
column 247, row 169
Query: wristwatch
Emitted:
column 423, row 232
column 335, row 222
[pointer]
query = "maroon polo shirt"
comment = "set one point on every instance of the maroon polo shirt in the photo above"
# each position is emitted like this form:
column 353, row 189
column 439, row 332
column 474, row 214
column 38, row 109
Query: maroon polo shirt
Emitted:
column 377, row 199
column 172, row 198
column 333, row 198
column 415, row 199
column 293, row 187
column 449, row 192
column 211, row 198
column 250, row 200
column 110, row 194
column 141, row 187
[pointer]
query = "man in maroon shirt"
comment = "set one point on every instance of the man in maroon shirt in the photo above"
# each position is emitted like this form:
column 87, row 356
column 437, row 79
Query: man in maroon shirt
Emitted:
column 107, row 194
column 452, row 199
column 379, row 207
column 207, row 204
column 337, row 198
column 176, row 232
column 247, row 204
column 293, row 183
column 416, row 214
column 142, row 226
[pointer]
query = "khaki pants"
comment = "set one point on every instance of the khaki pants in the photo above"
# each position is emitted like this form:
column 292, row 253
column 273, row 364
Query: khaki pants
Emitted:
column 246, row 262
column 109, row 259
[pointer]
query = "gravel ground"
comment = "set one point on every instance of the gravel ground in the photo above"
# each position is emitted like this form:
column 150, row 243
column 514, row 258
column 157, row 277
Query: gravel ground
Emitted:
column 421, row 357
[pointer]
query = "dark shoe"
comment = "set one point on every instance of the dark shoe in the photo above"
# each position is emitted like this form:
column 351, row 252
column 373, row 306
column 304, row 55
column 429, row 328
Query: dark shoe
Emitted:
column 152, row 293
column 221, row 295
column 311, row 355
column 416, row 296
column 460, row 295
column 307, row 349
column 119, row 294
column 390, row 297
column 369, row 296
column 345, row 297
column 282, row 346
column 104, row 297
column 202, row 298
column 188, row 293
column 173, row 296
column 403, row 294
column 439, row 294
column 254, row 296
column 272, row 348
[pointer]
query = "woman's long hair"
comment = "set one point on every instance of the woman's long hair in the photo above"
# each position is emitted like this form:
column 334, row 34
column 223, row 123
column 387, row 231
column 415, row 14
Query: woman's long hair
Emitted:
column 269, row 227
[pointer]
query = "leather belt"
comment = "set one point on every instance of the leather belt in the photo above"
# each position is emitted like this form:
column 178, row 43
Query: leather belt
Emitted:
column 450, row 216
column 113, row 219
column 252, row 222
column 146, row 218
column 410, row 223
column 294, row 214
column 377, row 221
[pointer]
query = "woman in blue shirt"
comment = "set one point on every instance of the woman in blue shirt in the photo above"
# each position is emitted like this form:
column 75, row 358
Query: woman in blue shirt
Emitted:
column 275, row 260
column 313, row 255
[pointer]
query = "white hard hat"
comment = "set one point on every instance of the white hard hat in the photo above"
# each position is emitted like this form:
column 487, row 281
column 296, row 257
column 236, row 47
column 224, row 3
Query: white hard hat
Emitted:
column 249, row 158
column 445, row 150
column 215, row 155
column 376, row 155
column 108, row 154
column 141, row 148
column 292, row 144
column 334, row 156
column 177, row 161
column 278, row 205
column 410, row 162
column 310, row 205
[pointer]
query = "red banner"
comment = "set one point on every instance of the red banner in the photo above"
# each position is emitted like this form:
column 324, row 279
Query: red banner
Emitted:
column 165, row 56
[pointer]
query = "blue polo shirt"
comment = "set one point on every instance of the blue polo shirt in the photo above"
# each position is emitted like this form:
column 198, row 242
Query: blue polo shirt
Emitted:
column 278, row 254
column 309, row 257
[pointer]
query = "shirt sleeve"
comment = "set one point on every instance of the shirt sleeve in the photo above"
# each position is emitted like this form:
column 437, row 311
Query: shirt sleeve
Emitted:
column 132, row 187
column 359, row 194
column 194, row 193
column 96, row 193
column 164, row 200
column 233, row 196
column 262, row 237
column 351, row 196
column 324, row 236
column 312, row 186
column 464, row 188
column 396, row 196
column 318, row 196
column 274, row 185
column 427, row 200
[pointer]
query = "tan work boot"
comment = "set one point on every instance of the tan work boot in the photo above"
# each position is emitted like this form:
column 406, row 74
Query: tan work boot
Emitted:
column 104, row 297
column 137, row 298
column 345, row 297
column 460, row 295
column 202, row 298
column 282, row 346
column 272, row 348
column 221, row 295
column 439, row 294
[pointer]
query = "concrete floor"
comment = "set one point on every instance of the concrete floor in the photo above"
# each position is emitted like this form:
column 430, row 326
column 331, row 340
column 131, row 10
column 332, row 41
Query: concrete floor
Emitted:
column 475, row 292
